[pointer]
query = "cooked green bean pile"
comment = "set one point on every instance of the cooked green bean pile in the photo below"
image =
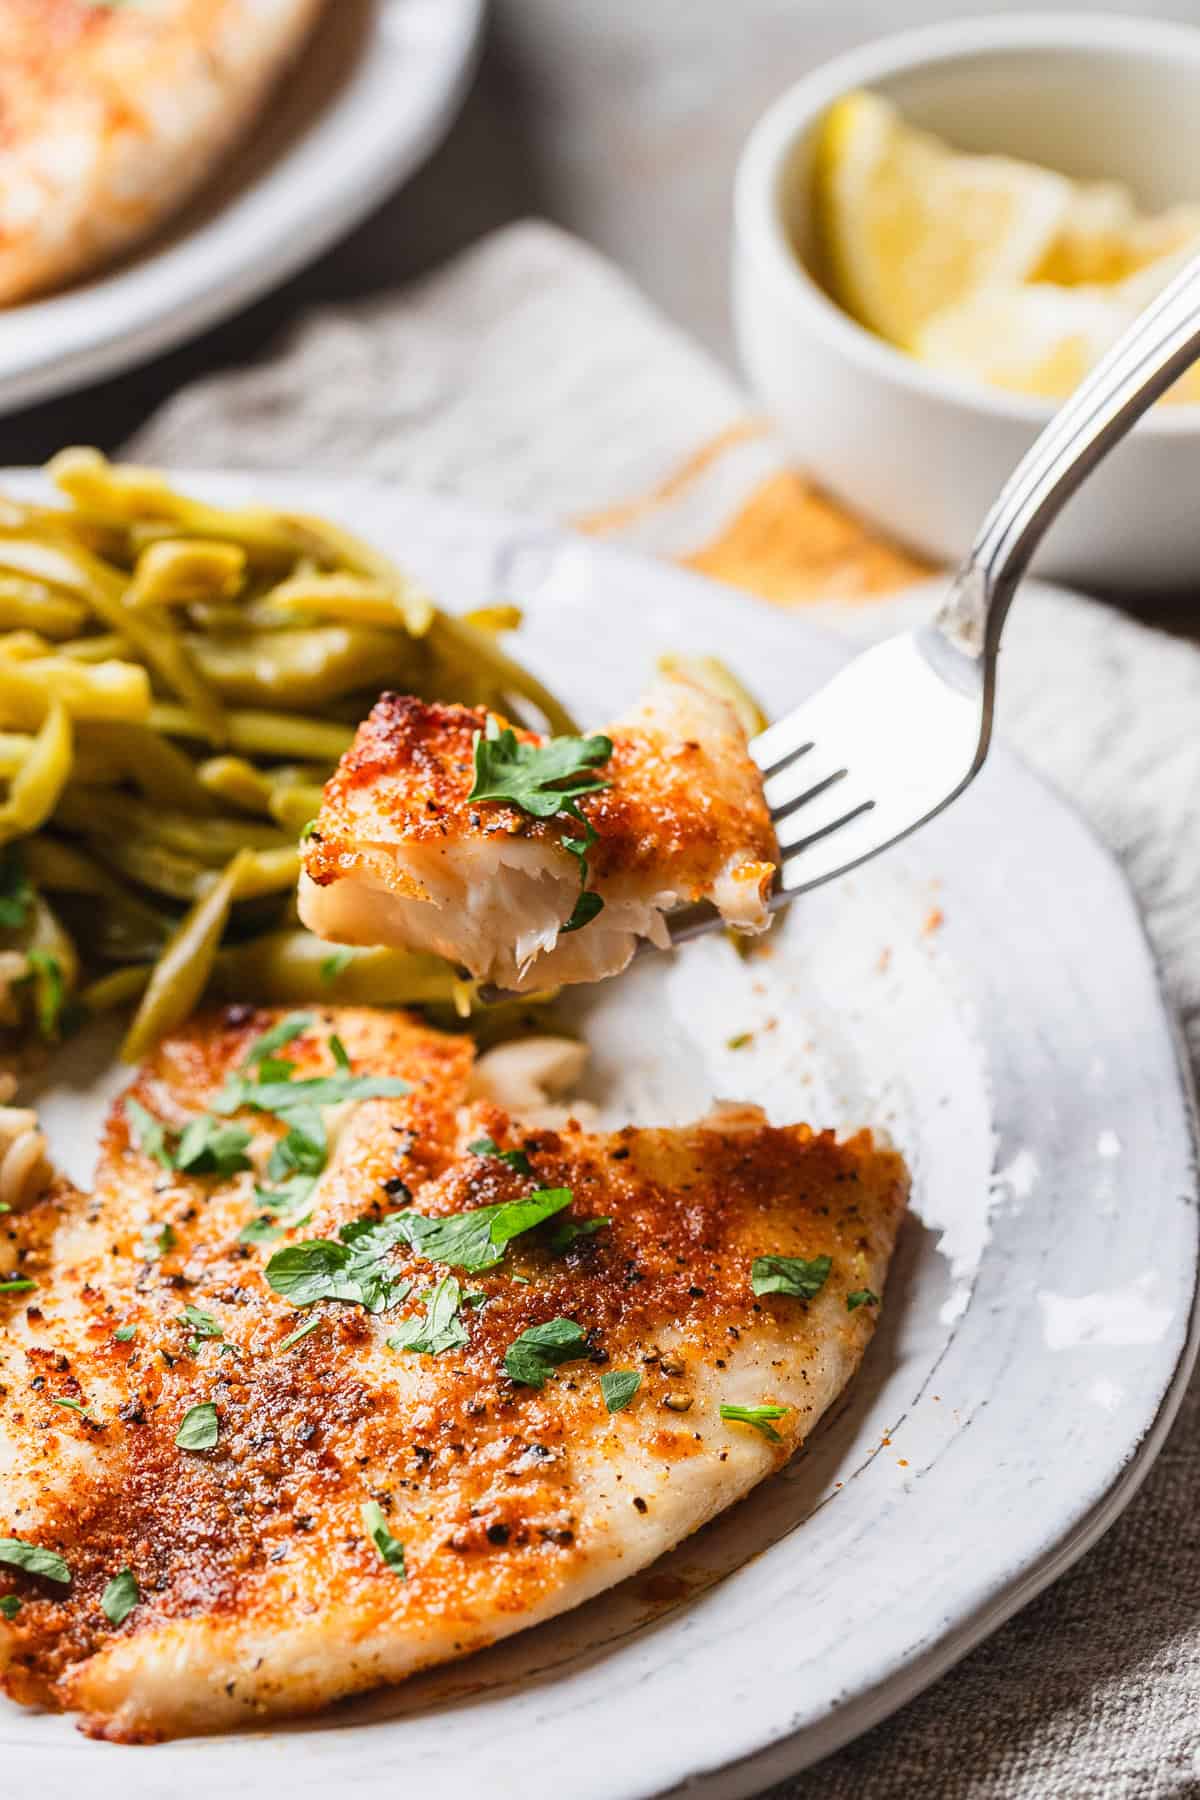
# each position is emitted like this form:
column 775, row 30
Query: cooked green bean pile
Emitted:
column 177, row 681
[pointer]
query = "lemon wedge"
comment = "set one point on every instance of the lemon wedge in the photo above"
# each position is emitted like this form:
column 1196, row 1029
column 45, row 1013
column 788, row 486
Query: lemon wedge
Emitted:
column 908, row 227
column 1042, row 338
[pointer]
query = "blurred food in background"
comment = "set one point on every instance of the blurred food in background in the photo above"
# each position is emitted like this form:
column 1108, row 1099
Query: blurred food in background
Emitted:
column 985, row 266
column 115, row 111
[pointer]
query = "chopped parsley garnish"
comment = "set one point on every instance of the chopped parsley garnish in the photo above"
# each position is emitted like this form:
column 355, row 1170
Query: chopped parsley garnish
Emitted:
column 618, row 1387
column 49, row 992
column 286, row 1099
column 861, row 1297
column 332, row 966
column 292, row 1026
column 354, row 1270
column 516, row 1159
column 20, row 1285
column 16, row 895
column 154, row 1240
column 4, row 1206
column 739, row 1040
column 10, row 1606
column 75, row 1406
column 120, row 1597
column 439, row 1328
column 758, row 1416
column 339, row 1053
column 538, row 1351
column 200, row 1428
column 209, row 1146
column 307, row 830
column 570, row 1231
column 34, row 1560
column 203, row 1326
column 205, row 1146
column 260, row 1231
column 477, row 1240
column 389, row 1548
column 546, row 781
column 125, row 1334
column 790, row 1275
column 302, row 1331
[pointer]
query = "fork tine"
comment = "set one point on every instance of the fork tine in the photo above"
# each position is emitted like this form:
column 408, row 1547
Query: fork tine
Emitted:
column 837, row 802
column 780, row 743
column 798, row 780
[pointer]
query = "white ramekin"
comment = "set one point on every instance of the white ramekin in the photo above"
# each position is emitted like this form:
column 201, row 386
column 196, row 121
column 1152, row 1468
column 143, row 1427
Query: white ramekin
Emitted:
column 919, row 452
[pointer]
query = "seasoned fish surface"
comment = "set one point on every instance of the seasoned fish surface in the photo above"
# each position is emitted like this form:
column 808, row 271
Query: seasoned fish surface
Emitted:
column 401, row 854
column 262, row 1586
column 114, row 113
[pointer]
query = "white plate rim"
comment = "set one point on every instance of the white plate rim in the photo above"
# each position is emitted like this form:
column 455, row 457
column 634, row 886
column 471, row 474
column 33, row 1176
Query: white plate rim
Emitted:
column 774, row 1756
column 327, row 181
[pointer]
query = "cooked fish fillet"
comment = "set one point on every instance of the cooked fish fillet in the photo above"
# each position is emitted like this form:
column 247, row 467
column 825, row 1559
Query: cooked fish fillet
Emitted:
column 111, row 114
column 401, row 856
column 260, row 1588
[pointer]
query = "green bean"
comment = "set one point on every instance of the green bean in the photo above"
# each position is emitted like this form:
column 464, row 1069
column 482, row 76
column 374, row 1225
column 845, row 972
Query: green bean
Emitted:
column 152, row 866
column 358, row 599
column 205, row 840
column 234, row 779
column 268, row 872
column 501, row 617
column 162, row 772
column 182, row 971
column 301, row 668
column 14, row 748
column 255, row 733
column 107, row 690
column 117, row 988
column 102, row 647
column 293, row 807
column 472, row 657
column 711, row 673
column 37, row 785
column 35, row 605
column 292, row 966
column 131, row 926
column 178, row 571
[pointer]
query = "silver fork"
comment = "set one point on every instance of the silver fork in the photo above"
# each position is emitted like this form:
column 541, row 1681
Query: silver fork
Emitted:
column 905, row 727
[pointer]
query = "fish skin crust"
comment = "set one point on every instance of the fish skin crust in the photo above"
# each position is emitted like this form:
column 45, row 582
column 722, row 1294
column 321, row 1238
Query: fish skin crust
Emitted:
column 112, row 115
column 399, row 854
column 261, row 1593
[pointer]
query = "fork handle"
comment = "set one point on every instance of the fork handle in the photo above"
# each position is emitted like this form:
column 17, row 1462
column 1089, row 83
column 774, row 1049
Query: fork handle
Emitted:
column 1162, row 342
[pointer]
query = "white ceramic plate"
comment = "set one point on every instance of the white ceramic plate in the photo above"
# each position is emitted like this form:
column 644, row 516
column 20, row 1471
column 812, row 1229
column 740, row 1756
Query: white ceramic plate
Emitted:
column 986, row 994
column 363, row 106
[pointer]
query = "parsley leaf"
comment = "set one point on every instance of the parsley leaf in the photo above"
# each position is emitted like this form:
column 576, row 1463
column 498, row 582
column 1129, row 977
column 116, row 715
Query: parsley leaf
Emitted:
column 618, row 1387
column 790, row 1275
column 125, row 1334
column 16, row 895
column 569, row 1231
column 34, row 1560
column 389, row 1548
column 301, row 1331
column 10, row 1606
column 539, row 1350
column 294, row 1025
column 203, row 1326
column 284, row 1098
column 151, row 1133
column 208, row 1146
column 120, row 1597
column 154, row 1240
column 861, row 1297
column 200, row 1428
column 516, row 1159
column 49, row 992
column 477, row 1240
column 547, row 781
column 21, row 1285
column 354, row 1270
column 332, row 966
column 439, row 1328
column 758, row 1416
column 339, row 1053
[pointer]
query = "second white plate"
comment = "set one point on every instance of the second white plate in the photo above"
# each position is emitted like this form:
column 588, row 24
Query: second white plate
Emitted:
column 366, row 102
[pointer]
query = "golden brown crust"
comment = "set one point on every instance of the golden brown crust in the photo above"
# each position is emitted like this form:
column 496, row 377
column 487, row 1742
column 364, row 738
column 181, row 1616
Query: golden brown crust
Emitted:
column 511, row 1502
column 670, row 811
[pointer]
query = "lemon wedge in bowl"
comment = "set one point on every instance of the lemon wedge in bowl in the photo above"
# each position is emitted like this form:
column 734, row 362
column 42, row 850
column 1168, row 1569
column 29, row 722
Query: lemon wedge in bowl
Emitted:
column 1042, row 338
column 908, row 226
